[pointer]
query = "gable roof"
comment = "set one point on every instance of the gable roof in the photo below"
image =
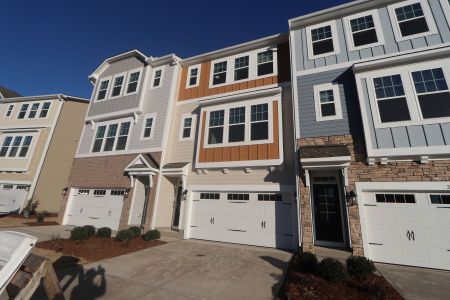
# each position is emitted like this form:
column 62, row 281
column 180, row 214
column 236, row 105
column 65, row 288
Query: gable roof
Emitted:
column 7, row 93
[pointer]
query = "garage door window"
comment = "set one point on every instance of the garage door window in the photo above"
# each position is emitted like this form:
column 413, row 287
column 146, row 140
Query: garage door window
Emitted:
column 22, row 187
column 83, row 192
column 395, row 198
column 209, row 196
column 245, row 197
column 440, row 199
column 270, row 197
column 117, row 192
column 99, row 193
column 8, row 187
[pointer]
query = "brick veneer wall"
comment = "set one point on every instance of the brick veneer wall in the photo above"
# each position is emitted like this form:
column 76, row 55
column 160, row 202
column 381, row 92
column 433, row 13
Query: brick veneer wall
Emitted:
column 106, row 172
column 360, row 171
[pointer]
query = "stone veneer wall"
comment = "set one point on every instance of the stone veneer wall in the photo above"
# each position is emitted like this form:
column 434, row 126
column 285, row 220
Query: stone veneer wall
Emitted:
column 360, row 171
column 108, row 172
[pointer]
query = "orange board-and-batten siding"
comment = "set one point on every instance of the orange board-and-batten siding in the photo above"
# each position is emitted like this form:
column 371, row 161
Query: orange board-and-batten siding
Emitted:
column 203, row 89
column 266, row 151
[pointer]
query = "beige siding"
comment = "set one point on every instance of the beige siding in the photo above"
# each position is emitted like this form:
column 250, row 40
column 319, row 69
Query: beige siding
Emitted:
column 56, row 168
column 14, row 122
column 33, row 160
column 165, row 202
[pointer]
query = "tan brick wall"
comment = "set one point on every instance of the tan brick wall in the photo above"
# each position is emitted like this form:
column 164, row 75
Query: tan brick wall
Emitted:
column 360, row 171
column 104, row 172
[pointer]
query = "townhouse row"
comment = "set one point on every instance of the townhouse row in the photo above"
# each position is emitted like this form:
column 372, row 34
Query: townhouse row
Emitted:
column 336, row 134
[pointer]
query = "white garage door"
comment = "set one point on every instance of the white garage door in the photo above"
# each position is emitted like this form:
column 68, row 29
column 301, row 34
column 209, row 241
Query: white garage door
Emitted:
column 262, row 219
column 12, row 197
column 97, row 207
column 408, row 228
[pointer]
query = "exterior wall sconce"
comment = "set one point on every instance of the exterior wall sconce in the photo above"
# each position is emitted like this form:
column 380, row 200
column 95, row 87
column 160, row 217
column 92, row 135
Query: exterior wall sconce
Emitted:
column 351, row 198
column 126, row 193
column 64, row 191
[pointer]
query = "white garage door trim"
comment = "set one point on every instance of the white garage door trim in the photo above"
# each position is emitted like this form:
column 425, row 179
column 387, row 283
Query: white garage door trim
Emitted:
column 400, row 187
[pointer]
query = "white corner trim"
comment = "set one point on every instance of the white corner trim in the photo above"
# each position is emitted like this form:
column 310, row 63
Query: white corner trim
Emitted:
column 334, row 37
column 337, row 101
column 349, row 33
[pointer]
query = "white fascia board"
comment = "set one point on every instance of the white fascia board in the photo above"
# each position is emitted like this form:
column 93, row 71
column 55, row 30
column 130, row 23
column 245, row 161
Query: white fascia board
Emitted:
column 240, row 96
column 246, row 188
column 163, row 60
column 239, row 164
column 114, row 115
column 412, row 152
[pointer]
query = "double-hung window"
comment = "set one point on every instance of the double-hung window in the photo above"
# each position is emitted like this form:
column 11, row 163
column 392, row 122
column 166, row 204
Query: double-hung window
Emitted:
column 236, row 131
column 123, row 136
column 148, row 128
column 9, row 111
column 133, row 81
column 5, row 147
column 321, row 40
column 25, row 146
column 103, row 89
column 157, row 78
column 33, row 110
column 265, row 63
column 117, row 87
column 220, row 73
column 15, row 146
column 216, row 122
column 186, row 129
column 23, row 111
column 241, row 68
column 391, row 99
column 111, row 137
column 193, row 76
column 259, row 128
column 44, row 110
column 364, row 31
column 327, row 102
column 99, row 136
column 432, row 93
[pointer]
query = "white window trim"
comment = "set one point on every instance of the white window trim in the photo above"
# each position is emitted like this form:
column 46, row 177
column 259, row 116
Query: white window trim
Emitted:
column 247, row 105
column 349, row 34
column 23, row 135
column 410, row 93
column 337, row 101
column 446, row 8
column 147, row 116
column 428, row 17
column 199, row 67
column 160, row 80
column 336, row 47
column 140, row 70
column 193, row 128
column 253, row 66
column 7, row 109
column 108, row 89
column 124, row 74
column 107, row 123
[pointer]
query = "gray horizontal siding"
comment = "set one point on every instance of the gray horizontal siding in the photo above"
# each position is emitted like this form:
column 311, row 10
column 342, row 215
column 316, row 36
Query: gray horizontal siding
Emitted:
column 350, row 122
column 390, row 46
column 121, row 103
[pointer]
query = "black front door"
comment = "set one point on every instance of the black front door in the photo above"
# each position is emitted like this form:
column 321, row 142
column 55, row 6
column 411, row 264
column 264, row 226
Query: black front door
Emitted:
column 176, row 210
column 327, row 213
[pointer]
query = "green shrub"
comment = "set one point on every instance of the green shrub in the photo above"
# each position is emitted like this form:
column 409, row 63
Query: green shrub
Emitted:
column 40, row 217
column 359, row 267
column 136, row 231
column 90, row 230
column 151, row 235
column 104, row 232
column 331, row 269
column 305, row 262
column 125, row 235
column 78, row 234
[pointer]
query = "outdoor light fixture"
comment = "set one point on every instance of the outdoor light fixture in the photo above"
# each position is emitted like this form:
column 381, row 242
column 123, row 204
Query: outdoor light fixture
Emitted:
column 351, row 197
column 64, row 191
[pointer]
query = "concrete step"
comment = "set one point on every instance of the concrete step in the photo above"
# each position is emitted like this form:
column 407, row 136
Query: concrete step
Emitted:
column 169, row 235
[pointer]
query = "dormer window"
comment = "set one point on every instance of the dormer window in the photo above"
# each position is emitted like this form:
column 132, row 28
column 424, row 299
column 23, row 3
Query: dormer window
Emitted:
column 117, row 87
column 241, row 68
column 322, row 40
column 220, row 73
column 265, row 62
column 133, row 80
column 102, row 90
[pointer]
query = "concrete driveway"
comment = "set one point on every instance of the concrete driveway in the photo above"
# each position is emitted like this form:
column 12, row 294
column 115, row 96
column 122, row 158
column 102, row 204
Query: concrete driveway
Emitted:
column 417, row 283
column 184, row 269
column 44, row 233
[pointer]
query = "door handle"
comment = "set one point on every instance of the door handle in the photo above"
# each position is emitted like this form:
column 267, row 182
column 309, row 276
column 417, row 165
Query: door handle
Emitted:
column 410, row 235
column 211, row 221
column 262, row 226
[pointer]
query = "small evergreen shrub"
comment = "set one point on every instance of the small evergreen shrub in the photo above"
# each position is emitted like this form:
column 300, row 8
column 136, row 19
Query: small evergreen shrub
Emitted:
column 305, row 262
column 78, row 234
column 136, row 231
column 151, row 235
column 90, row 230
column 359, row 267
column 331, row 269
column 125, row 235
column 40, row 217
column 104, row 232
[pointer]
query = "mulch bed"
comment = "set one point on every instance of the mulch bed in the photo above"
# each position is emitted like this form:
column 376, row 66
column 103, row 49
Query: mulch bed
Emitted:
column 306, row 286
column 97, row 248
column 45, row 223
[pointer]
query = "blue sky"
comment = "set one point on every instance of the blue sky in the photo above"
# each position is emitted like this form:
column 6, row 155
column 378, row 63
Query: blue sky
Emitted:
column 51, row 46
